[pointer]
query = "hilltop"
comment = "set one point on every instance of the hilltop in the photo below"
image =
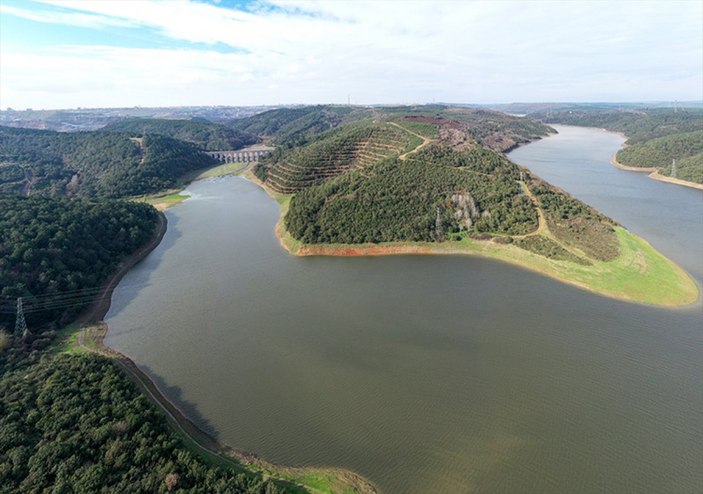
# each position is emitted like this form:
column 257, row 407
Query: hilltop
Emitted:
column 434, row 180
column 206, row 135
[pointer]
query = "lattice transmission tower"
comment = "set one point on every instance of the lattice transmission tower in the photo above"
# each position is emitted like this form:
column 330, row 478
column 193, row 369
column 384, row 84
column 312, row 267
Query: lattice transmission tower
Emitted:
column 21, row 329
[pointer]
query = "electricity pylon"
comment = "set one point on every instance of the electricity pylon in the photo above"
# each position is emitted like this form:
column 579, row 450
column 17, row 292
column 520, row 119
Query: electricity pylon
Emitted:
column 20, row 324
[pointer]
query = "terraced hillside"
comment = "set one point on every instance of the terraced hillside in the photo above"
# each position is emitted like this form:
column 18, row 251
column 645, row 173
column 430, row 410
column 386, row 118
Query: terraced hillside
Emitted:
column 430, row 196
column 333, row 153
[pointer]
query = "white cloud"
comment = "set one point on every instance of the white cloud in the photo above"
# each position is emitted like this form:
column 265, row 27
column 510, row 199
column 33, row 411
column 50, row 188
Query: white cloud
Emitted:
column 65, row 18
column 310, row 51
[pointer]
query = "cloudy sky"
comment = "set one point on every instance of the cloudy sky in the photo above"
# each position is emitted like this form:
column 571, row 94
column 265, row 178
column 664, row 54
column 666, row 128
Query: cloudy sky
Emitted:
column 93, row 53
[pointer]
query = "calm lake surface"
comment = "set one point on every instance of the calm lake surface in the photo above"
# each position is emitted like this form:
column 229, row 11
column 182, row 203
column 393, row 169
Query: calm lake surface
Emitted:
column 429, row 374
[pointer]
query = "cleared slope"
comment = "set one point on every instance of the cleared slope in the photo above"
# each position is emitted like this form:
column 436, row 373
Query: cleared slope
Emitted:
column 334, row 153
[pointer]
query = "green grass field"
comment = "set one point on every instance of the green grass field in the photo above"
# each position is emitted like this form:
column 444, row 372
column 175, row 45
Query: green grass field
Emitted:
column 424, row 129
column 640, row 274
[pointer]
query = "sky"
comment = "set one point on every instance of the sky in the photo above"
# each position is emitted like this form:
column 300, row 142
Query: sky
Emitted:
column 124, row 53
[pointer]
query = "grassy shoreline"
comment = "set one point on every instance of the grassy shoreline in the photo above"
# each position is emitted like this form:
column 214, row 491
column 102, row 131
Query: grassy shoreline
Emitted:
column 166, row 199
column 640, row 274
column 87, row 332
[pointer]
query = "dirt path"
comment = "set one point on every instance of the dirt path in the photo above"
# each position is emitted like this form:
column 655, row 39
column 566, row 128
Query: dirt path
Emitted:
column 541, row 220
column 542, row 227
column 425, row 141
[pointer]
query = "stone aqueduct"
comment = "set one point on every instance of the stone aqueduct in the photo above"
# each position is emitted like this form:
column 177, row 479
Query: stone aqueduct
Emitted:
column 245, row 155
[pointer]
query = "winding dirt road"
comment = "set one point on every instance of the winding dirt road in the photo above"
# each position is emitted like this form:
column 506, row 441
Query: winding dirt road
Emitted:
column 425, row 141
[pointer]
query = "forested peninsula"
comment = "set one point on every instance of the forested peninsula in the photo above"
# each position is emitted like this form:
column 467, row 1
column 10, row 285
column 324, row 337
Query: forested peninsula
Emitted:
column 434, row 180
column 350, row 181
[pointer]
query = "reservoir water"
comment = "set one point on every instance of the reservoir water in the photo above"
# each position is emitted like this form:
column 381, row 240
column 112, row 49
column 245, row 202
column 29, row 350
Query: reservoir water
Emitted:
column 429, row 374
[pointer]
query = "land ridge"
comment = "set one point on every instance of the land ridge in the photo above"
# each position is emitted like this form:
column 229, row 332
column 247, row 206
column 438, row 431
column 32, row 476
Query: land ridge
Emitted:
column 653, row 173
column 481, row 248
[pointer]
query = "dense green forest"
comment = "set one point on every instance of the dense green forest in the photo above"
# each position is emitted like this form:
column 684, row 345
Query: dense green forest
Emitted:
column 690, row 169
column 56, row 252
column 430, row 195
column 293, row 125
column 206, row 135
column 92, row 164
column 77, row 424
column 654, row 136
column 661, row 151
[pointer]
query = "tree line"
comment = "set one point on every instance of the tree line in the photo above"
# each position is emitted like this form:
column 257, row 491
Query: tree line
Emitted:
column 206, row 135
column 92, row 164
column 399, row 200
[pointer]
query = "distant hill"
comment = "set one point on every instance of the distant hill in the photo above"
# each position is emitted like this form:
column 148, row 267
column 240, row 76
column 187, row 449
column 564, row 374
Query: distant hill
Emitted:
column 655, row 136
column 294, row 124
column 74, row 120
column 92, row 164
column 206, row 135
column 638, row 124
column 362, row 137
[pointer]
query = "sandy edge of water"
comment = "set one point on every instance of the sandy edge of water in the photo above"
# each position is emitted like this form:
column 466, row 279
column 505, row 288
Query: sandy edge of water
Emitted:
column 239, row 460
column 654, row 174
column 653, row 171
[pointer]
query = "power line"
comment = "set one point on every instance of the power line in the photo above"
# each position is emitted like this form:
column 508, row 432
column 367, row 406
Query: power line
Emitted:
column 20, row 323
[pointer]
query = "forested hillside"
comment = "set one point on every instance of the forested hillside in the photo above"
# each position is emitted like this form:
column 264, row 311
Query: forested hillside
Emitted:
column 427, row 197
column 206, row 135
column 293, row 125
column 638, row 125
column 92, row 164
column 56, row 252
column 661, row 151
column 76, row 424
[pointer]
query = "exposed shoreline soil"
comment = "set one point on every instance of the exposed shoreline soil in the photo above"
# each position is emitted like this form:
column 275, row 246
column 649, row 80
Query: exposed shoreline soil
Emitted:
column 242, row 461
column 654, row 174
column 487, row 249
